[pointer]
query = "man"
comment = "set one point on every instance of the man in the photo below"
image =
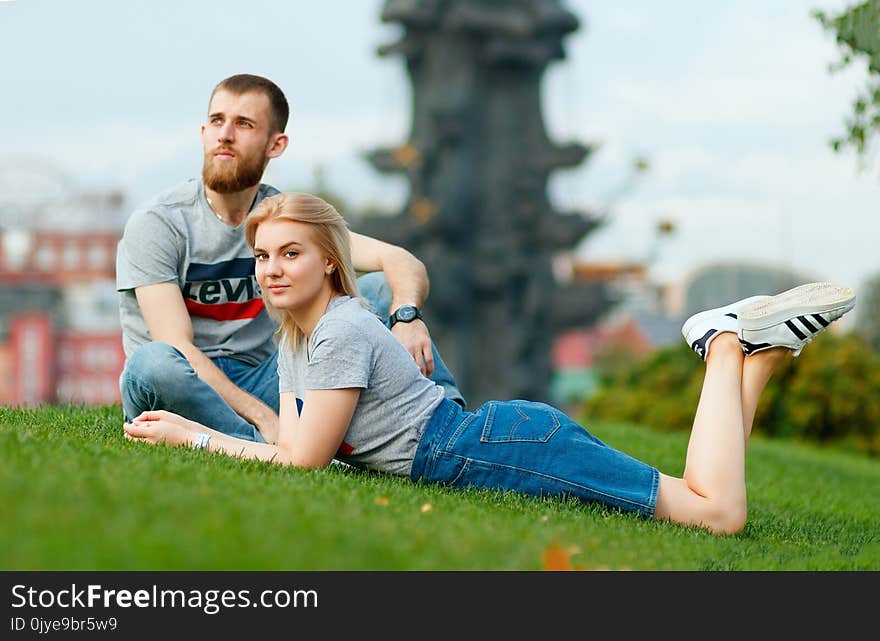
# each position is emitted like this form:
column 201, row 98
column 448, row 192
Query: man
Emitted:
column 197, row 338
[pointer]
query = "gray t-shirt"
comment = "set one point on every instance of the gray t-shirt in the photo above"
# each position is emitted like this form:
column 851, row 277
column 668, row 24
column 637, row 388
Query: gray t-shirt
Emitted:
column 350, row 347
column 177, row 238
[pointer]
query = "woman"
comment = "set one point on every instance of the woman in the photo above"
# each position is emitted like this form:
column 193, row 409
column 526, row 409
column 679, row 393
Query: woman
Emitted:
column 365, row 402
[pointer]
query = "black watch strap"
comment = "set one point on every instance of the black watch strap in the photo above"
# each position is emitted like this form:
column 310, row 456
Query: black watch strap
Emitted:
column 404, row 314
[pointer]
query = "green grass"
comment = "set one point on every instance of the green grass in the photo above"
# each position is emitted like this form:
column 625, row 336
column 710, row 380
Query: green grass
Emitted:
column 77, row 496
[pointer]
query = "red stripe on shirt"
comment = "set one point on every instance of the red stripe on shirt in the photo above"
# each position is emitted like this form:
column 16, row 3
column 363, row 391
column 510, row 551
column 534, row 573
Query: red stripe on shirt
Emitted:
column 226, row 311
column 344, row 449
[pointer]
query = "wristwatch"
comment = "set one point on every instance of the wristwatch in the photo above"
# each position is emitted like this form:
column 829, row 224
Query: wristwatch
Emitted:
column 404, row 314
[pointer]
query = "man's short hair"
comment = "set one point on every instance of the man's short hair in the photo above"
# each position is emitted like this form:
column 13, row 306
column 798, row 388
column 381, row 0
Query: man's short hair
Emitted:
column 244, row 83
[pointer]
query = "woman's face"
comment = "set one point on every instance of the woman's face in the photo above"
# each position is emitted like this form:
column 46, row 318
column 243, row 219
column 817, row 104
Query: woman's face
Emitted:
column 290, row 267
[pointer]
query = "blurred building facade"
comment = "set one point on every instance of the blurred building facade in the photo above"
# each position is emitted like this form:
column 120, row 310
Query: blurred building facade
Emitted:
column 60, row 339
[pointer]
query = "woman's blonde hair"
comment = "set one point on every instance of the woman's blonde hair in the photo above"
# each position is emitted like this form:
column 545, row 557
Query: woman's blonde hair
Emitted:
column 330, row 234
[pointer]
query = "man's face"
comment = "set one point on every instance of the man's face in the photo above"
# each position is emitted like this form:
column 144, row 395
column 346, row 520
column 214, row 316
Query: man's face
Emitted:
column 237, row 140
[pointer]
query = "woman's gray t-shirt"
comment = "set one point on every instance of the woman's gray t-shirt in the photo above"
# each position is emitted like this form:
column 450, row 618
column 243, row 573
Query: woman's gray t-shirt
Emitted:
column 351, row 347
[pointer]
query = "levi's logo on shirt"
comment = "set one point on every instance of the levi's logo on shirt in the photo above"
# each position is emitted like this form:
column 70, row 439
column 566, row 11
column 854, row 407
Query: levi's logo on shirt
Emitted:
column 222, row 291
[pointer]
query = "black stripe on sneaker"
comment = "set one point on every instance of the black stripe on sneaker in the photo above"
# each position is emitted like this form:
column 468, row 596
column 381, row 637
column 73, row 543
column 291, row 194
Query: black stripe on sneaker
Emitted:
column 795, row 330
column 750, row 348
column 810, row 327
column 822, row 321
column 731, row 314
column 699, row 345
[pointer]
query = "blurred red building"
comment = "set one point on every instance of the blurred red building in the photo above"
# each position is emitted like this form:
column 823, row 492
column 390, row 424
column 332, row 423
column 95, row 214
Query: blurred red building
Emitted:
column 59, row 332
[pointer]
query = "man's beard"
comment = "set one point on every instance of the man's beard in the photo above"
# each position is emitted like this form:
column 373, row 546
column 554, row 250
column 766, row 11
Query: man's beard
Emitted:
column 227, row 178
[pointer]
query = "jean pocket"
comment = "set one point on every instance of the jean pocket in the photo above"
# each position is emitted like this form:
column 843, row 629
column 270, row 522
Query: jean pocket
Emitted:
column 523, row 421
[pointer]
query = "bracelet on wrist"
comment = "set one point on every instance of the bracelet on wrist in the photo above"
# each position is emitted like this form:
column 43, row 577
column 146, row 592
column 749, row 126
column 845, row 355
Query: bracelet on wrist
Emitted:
column 201, row 441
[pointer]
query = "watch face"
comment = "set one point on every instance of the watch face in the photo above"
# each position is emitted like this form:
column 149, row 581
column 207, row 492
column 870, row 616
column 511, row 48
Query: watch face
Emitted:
column 406, row 313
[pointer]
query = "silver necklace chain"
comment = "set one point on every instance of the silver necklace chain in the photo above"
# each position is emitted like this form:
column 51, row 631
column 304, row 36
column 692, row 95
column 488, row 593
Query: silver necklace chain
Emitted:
column 214, row 211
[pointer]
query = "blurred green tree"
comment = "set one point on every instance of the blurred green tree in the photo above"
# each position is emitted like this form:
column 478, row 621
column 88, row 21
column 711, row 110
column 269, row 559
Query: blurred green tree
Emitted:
column 830, row 394
column 857, row 31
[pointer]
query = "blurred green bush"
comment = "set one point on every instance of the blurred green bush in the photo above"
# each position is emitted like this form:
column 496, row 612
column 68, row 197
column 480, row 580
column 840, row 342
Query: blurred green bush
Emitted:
column 830, row 393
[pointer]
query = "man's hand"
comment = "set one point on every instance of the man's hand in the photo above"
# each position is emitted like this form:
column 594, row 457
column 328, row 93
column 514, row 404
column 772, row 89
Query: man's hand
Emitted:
column 417, row 341
column 268, row 425
column 408, row 281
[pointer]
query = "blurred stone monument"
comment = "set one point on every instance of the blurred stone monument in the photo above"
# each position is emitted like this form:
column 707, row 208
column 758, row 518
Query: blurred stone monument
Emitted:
column 478, row 160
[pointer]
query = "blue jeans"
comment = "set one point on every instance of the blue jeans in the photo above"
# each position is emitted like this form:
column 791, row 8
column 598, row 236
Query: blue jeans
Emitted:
column 531, row 448
column 158, row 376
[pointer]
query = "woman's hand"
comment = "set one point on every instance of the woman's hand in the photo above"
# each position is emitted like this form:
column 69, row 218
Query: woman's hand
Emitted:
column 159, row 427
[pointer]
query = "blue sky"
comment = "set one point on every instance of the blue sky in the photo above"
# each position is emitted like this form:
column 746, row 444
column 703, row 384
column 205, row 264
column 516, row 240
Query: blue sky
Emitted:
column 731, row 103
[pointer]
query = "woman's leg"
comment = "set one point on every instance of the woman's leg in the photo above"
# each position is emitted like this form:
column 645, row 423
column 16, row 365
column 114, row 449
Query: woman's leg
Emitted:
column 757, row 370
column 712, row 491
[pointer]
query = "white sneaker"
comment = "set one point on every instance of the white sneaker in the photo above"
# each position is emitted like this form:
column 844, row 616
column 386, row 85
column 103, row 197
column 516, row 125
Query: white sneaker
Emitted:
column 793, row 318
column 701, row 328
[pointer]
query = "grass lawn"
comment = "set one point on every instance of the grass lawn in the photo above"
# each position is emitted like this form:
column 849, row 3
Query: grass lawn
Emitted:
column 77, row 496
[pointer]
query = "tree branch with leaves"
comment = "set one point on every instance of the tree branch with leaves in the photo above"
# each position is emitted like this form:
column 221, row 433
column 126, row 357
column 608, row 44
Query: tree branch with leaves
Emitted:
column 857, row 32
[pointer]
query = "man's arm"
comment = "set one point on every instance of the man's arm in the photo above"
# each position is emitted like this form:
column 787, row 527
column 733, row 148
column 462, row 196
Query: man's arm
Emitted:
column 168, row 320
column 408, row 280
column 406, row 274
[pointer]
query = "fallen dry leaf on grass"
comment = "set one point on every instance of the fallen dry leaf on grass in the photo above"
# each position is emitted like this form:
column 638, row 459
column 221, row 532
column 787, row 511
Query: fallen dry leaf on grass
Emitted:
column 558, row 559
